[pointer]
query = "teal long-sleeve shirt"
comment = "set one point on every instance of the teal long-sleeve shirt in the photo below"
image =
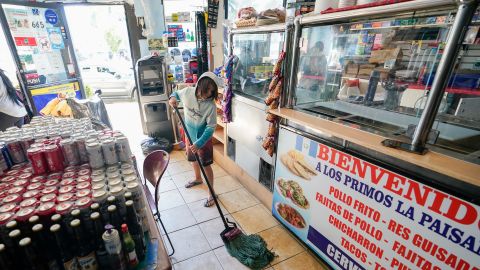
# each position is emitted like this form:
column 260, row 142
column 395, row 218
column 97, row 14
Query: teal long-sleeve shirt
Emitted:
column 200, row 115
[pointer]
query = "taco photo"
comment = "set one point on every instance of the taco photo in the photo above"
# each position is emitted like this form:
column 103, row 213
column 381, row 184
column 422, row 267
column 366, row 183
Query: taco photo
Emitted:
column 295, row 162
column 293, row 191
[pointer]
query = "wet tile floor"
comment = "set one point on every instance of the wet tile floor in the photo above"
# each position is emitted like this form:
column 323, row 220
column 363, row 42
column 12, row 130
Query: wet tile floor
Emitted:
column 193, row 228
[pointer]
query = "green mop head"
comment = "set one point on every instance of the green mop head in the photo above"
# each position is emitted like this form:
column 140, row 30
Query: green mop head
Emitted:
column 251, row 250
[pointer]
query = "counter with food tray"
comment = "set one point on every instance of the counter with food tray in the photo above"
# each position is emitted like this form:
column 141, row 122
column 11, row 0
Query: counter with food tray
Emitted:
column 370, row 173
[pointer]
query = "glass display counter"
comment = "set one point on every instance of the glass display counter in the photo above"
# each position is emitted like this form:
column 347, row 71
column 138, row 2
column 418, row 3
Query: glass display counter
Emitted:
column 257, row 50
column 375, row 74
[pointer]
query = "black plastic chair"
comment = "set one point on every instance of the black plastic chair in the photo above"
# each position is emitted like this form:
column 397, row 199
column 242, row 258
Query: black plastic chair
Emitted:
column 154, row 167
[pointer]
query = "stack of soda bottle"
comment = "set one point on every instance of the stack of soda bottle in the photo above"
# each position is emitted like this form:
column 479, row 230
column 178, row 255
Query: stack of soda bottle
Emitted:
column 69, row 198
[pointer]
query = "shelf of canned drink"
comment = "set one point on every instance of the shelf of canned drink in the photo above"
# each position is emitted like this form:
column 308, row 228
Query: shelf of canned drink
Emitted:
column 64, row 167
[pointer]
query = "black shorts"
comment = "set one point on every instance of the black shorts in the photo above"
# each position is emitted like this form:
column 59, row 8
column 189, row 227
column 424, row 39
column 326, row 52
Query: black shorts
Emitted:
column 205, row 154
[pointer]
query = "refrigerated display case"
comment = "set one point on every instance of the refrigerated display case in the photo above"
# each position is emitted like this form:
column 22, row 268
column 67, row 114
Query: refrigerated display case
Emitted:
column 257, row 50
column 375, row 73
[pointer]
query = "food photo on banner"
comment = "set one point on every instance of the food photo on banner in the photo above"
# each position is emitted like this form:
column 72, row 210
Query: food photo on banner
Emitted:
column 358, row 215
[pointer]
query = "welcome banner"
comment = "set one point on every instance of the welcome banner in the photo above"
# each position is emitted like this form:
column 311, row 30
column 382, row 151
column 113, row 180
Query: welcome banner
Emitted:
column 357, row 215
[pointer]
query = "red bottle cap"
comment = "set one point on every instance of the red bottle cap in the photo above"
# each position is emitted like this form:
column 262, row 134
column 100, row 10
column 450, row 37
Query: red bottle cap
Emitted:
column 46, row 209
column 35, row 186
column 38, row 179
column 71, row 169
column 65, row 197
column 84, row 178
column 16, row 190
column 48, row 190
column 48, row 198
column 17, row 167
column 66, row 189
column 8, row 179
column 67, row 182
column 24, row 214
column 83, row 193
column 20, row 183
column 69, row 175
column 28, row 170
column 56, row 176
column 30, row 202
column 6, row 217
column 124, row 228
column 83, row 202
column 12, row 198
column 13, row 172
column 26, row 176
column 84, row 172
column 52, row 182
column 11, row 207
column 64, row 208
column 84, row 185
column 32, row 194
column 4, row 186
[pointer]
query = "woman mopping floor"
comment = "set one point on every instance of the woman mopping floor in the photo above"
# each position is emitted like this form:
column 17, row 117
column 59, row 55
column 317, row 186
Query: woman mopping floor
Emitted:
column 200, row 119
column 251, row 250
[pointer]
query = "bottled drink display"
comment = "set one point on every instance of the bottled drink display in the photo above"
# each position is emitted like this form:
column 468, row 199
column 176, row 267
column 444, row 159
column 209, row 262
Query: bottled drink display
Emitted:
column 54, row 212
column 15, row 237
column 44, row 245
column 100, row 251
column 85, row 252
column 136, row 230
column 129, row 245
column 113, row 245
column 64, row 247
column 30, row 257
column 5, row 263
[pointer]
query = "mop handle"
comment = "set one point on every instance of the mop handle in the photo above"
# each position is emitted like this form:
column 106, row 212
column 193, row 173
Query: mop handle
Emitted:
column 202, row 169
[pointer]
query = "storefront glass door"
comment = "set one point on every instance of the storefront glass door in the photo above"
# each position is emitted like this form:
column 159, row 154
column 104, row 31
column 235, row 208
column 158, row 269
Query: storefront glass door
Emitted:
column 102, row 48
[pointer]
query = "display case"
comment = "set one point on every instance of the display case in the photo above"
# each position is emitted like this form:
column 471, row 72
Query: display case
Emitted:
column 374, row 72
column 257, row 50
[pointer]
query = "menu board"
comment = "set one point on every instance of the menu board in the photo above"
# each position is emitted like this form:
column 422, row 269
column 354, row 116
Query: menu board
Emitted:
column 358, row 215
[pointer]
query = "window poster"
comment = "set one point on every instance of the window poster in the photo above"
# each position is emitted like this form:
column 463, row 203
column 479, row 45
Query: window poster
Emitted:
column 39, row 41
column 358, row 215
column 56, row 39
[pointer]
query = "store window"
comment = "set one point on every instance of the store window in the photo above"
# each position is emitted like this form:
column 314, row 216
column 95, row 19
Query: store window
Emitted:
column 371, row 74
column 7, row 63
column 257, row 54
